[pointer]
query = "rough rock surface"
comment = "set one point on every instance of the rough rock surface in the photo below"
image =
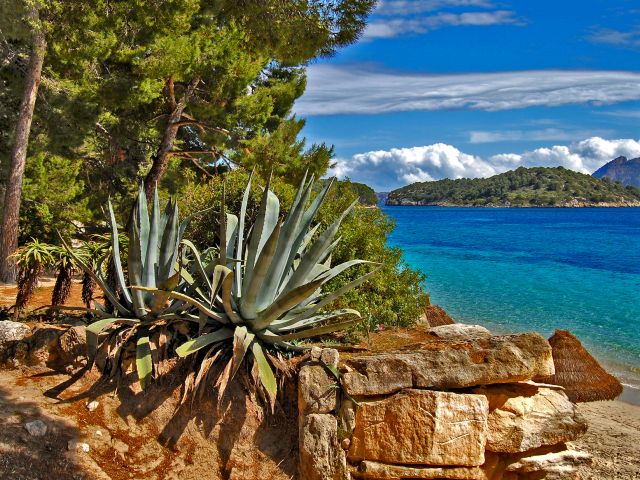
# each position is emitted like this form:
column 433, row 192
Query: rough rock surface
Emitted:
column 316, row 392
column 12, row 332
column 421, row 427
column 524, row 417
column 460, row 331
column 450, row 364
column 321, row 456
column 383, row 471
column 73, row 345
column 37, row 428
column 561, row 465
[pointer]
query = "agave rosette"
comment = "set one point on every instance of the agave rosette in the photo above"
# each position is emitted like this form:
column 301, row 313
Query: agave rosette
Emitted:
column 265, row 289
column 152, row 264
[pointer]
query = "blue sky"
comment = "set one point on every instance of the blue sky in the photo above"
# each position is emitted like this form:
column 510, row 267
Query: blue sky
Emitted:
column 468, row 88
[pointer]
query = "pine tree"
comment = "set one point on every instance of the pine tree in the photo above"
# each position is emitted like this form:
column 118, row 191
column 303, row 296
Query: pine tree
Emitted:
column 13, row 189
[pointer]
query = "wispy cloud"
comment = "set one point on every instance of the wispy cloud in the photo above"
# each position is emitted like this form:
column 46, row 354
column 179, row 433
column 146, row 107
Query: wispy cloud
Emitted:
column 409, row 7
column 622, row 113
column 619, row 38
column 545, row 134
column 348, row 89
column 394, row 18
column 389, row 169
column 394, row 27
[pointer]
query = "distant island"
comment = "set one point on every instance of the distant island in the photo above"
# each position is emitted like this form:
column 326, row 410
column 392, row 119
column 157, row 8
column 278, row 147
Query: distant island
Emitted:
column 621, row 170
column 523, row 187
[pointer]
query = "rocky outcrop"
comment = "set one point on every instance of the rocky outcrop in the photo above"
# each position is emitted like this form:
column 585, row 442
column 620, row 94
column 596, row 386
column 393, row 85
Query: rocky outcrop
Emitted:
column 450, row 429
column 450, row 364
column 525, row 417
column 461, row 405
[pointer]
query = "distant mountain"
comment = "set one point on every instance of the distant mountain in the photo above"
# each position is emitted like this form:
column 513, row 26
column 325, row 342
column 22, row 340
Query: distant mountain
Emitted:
column 621, row 170
column 523, row 187
column 382, row 197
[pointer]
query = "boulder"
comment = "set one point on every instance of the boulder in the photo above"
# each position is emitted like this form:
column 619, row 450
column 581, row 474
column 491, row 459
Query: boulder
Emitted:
column 552, row 466
column 321, row 456
column 421, row 427
column 524, row 417
column 383, row 471
column 459, row 332
column 317, row 392
column 11, row 332
column 448, row 364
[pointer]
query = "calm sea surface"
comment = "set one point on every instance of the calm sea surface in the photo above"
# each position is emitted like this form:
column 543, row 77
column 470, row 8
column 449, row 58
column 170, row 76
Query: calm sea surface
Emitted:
column 534, row 269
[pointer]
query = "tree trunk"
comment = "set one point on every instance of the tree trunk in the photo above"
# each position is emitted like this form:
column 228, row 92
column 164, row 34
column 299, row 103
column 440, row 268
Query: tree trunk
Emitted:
column 161, row 158
column 13, row 193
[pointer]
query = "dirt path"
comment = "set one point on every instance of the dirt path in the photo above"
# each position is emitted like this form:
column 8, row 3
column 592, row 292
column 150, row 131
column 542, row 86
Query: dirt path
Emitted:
column 27, row 457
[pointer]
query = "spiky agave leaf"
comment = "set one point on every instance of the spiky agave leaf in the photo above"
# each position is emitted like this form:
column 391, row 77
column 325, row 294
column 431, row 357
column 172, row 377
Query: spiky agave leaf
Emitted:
column 275, row 297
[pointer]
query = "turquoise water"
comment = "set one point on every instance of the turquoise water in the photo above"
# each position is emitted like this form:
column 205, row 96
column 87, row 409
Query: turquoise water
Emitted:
column 534, row 269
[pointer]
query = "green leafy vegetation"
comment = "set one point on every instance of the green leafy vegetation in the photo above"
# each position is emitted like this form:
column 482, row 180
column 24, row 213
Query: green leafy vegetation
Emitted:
column 523, row 187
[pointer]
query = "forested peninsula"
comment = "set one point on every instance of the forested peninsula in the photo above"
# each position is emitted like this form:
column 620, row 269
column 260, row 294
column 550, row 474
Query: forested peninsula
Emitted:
column 523, row 187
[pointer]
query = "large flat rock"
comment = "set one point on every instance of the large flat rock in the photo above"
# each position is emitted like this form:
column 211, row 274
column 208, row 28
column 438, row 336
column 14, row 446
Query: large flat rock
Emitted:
column 551, row 466
column 382, row 471
column 525, row 417
column 450, row 364
column 421, row 427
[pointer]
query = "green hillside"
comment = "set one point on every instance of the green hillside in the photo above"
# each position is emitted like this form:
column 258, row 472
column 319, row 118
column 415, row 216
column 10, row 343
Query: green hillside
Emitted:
column 524, row 187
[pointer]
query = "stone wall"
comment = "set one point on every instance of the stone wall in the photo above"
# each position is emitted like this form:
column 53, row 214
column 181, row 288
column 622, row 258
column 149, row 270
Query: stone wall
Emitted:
column 461, row 406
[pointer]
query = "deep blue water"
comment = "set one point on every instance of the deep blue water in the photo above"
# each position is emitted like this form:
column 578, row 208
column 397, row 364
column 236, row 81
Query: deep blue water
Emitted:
column 534, row 269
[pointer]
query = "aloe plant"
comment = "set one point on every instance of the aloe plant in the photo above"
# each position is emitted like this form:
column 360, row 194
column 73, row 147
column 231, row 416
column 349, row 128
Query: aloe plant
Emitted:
column 264, row 290
column 32, row 259
column 153, row 263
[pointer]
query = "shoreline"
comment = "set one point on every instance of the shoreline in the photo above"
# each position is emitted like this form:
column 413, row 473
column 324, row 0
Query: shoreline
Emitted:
column 453, row 205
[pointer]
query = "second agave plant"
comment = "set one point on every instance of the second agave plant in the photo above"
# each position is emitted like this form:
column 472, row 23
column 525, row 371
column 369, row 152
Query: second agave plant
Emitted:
column 152, row 263
column 265, row 290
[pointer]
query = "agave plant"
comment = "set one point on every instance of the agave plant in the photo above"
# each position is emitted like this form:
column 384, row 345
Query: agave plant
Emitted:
column 264, row 292
column 153, row 263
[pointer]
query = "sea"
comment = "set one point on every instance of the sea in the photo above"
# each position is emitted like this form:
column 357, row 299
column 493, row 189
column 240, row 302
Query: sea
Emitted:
column 541, row 269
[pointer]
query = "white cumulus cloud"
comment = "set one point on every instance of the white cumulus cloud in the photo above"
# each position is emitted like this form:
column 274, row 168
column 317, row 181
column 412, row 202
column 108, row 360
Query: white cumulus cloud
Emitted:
column 347, row 89
column 386, row 170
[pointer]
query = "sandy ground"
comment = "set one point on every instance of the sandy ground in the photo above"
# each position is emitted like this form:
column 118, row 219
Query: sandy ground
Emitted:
column 613, row 439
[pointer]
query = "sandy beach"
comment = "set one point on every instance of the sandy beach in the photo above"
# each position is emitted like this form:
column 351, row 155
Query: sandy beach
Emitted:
column 613, row 439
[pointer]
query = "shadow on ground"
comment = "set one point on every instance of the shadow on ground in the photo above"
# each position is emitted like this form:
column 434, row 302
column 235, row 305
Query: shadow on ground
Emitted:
column 25, row 457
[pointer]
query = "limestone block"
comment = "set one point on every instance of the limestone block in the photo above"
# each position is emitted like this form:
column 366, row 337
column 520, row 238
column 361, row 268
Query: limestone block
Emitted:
column 321, row 456
column 383, row 471
column 448, row 364
column 421, row 427
column 554, row 466
column 317, row 392
column 524, row 417
column 460, row 331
